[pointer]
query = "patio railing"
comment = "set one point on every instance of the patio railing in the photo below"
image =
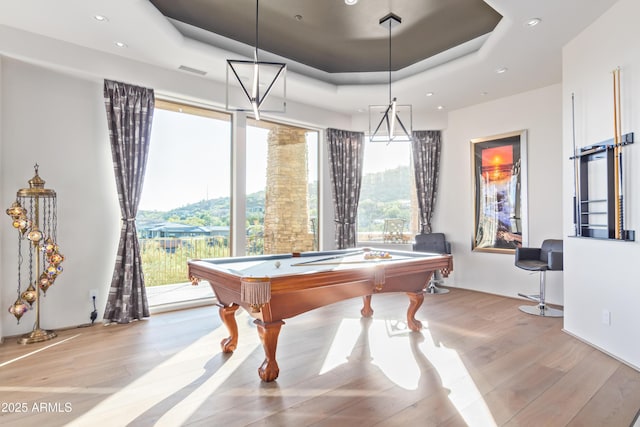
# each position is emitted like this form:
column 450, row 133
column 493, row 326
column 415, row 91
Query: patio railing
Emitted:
column 164, row 260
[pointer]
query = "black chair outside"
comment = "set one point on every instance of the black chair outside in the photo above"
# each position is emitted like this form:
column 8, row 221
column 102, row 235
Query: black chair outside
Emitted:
column 433, row 243
column 548, row 257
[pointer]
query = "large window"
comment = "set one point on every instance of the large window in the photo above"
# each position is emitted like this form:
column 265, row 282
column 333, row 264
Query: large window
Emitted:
column 387, row 196
column 184, row 210
column 282, row 188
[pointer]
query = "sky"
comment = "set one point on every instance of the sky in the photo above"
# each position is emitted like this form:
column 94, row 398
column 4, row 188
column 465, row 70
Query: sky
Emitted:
column 380, row 156
column 189, row 160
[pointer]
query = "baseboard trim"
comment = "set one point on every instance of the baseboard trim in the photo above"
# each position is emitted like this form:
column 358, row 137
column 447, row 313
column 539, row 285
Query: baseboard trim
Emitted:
column 631, row 365
column 163, row 308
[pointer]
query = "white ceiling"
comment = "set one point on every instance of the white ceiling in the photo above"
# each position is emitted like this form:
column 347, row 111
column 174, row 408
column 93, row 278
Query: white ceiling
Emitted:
column 531, row 54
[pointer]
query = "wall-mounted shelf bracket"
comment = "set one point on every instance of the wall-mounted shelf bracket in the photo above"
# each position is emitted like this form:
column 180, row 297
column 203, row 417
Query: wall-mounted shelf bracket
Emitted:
column 599, row 205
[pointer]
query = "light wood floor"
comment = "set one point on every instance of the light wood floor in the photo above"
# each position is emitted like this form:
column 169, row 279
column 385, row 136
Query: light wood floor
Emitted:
column 479, row 361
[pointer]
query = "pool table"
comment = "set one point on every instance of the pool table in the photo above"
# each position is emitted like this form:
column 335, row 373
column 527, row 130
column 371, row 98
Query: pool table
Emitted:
column 277, row 287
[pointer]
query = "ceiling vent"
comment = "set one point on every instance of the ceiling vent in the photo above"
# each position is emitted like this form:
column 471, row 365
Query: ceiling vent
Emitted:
column 192, row 70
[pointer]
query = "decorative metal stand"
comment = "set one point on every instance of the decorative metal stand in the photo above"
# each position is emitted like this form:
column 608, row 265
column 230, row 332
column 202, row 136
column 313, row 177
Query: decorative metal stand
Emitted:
column 34, row 216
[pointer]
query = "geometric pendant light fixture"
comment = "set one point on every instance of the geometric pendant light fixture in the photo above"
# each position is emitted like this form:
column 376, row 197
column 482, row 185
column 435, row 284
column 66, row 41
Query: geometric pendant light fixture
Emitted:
column 391, row 122
column 258, row 80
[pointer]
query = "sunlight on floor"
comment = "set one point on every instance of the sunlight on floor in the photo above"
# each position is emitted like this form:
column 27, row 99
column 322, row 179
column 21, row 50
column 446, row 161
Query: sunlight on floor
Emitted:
column 181, row 412
column 166, row 380
column 344, row 339
column 8, row 362
column 464, row 393
column 185, row 381
column 404, row 358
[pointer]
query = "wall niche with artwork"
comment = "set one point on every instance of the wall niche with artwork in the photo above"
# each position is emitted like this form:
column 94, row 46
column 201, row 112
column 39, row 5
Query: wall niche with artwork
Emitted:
column 499, row 197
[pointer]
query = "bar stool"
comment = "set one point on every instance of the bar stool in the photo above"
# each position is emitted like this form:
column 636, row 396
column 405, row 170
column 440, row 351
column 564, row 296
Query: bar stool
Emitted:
column 546, row 258
column 435, row 243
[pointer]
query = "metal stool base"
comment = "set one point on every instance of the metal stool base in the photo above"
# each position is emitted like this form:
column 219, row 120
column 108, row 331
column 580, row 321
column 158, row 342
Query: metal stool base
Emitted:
column 543, row 311
column 434, row 290
column 436, row 279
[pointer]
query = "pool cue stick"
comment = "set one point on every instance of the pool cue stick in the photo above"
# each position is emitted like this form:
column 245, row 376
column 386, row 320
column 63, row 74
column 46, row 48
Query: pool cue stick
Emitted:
column 615, row 157
column 314, row 262
column 362, row 261
column 577, row 214
column 620, row 176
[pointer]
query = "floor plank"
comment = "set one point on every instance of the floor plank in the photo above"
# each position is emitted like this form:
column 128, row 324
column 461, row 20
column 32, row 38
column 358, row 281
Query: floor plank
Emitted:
column 478, row 361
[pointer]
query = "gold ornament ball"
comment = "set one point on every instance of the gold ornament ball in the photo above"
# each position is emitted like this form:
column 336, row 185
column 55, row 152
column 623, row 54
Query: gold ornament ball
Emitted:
column 29, row 295
column 45, row 281
column 16, row 210
column 18, row 308
column 35, row 235
column 56, row 258
column 49, row 246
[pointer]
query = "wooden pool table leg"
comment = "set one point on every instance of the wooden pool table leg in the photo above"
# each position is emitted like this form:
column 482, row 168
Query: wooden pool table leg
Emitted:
column 268, row 333
column 415, row 301
column 228, row 316
column 366, row 311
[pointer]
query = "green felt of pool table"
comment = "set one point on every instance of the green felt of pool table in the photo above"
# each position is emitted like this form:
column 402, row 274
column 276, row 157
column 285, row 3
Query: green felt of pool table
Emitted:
column 307, row 262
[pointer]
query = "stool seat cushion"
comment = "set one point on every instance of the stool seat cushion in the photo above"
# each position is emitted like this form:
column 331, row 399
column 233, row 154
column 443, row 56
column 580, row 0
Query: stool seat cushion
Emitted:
column 532, row 265
column 548, row 257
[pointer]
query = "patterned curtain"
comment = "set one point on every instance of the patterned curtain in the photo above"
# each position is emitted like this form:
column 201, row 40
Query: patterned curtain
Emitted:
column 426, row 164
column 129, row 115
column 346, row 153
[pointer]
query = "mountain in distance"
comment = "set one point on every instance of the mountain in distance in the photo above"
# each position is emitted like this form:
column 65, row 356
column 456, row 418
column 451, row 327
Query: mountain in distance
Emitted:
column 387, row 191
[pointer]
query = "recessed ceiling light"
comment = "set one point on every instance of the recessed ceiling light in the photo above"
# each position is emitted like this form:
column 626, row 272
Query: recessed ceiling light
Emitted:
column 440, row 107
column 350, row 2
column 484, row 93
column 100, row 18
column 298, row 17
column 429, row 94
column 533, row 22
column 502, row 70
column 120, row 44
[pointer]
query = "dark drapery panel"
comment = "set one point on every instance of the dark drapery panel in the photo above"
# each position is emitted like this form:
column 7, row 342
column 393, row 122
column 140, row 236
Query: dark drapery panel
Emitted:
column 426, row 146
column 346, row 153
column 129, row 116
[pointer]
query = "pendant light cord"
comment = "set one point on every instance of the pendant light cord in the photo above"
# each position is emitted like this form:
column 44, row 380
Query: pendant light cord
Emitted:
column 255, row 55
column 389, row 60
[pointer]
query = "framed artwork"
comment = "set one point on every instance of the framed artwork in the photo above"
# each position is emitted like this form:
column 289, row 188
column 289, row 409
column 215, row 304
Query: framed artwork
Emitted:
column 499, row 166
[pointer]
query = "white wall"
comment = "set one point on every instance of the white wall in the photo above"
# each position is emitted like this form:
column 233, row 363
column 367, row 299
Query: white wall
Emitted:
column 59, row 122
column 2, row 232
column 539, row 112
column 599, row 274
